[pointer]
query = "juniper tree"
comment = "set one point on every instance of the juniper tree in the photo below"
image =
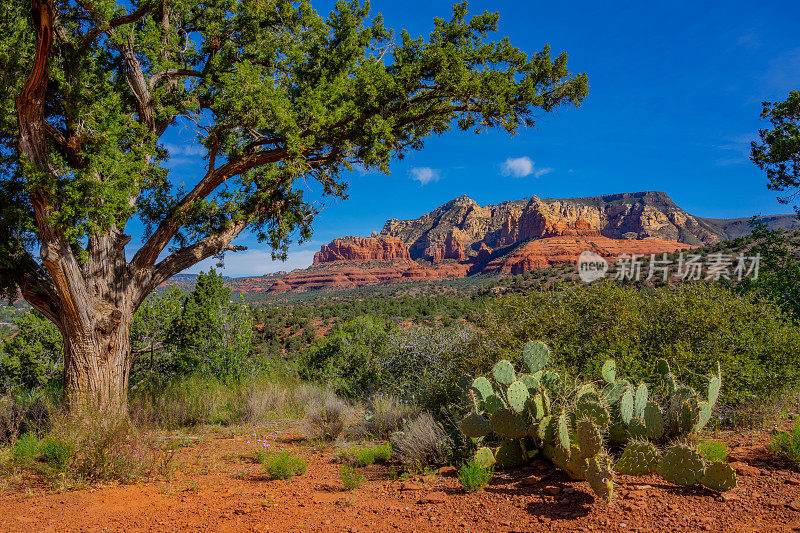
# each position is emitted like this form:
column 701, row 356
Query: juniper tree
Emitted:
column 276, row 94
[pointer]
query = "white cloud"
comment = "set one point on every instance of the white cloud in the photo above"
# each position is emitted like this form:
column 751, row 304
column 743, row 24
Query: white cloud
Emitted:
column 750, row 40
column 185, row 149
column 255, row 263
column 424, row 175
column 519, row 167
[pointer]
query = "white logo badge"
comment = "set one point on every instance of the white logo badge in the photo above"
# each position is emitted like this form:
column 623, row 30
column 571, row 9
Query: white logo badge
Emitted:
column 591, row 266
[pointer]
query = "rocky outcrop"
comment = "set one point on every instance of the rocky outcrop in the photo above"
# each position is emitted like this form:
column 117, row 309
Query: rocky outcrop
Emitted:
column 565, row 250
column 640, row 215
column 381, row 249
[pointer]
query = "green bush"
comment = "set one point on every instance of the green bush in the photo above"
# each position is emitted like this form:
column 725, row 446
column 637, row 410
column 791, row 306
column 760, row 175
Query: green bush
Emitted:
column 383, row 452
column 345, row 358
column 351, row 477
column 713, row 450
column 26, row 449
column 474, row 476
column 365, row 456
column 692, row 326
column 284, row 465
column 56, row 452
column 788, row 443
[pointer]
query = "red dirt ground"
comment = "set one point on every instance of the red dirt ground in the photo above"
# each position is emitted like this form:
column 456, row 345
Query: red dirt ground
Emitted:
column 217, row 489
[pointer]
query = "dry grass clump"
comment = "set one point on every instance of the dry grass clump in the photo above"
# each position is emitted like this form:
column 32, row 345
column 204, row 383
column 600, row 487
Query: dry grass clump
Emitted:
column 422, row 442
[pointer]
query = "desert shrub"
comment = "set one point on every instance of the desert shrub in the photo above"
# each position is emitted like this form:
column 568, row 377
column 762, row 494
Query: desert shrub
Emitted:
column 107, row 449
column 474, row 476
column 713, row 450
column 345, row 358
column 284, row 465
column 196, row 399
column 56, row 452
column 365, row 456
column 27, row 411
column 693, row 326
column 787, row 443
column 422, row 442
column 383, row 452
column 326, row 416
column 351, row 477
column 384, row 414
column 32, row 358
column 25, row 449
column 422, row 365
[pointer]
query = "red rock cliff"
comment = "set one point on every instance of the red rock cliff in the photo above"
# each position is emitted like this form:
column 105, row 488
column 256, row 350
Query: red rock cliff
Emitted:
column 383, row 249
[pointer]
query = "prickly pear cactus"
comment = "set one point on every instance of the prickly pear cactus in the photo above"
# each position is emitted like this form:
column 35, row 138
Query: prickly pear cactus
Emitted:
column 681, row 465
column 523, row 413
column 639, row 459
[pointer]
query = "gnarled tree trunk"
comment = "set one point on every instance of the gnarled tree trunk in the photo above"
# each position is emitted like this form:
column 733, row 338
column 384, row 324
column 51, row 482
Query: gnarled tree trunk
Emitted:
column 97, row 365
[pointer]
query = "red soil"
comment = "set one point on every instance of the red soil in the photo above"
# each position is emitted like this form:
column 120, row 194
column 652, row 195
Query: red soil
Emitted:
column 216, row 490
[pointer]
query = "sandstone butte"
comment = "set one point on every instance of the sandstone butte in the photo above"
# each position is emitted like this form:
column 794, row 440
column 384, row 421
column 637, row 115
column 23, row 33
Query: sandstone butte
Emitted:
column 461, row 238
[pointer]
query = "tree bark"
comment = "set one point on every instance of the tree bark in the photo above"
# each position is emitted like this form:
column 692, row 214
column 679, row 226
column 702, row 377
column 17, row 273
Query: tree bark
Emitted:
column 97, row 365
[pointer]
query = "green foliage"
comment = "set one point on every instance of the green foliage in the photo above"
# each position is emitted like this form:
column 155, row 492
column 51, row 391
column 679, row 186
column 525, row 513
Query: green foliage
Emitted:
column 34, row 357
column 383, row 452
column 778, row 153
column 713, row 450
column 365, row 456
column 352, row 479
column 56, row 452
column 25, row 449
column 779, row 269
column 693, row 326
column 474, row 476
column 284, row 465
column 787, row 443
column 345, row 359
column 213, row 334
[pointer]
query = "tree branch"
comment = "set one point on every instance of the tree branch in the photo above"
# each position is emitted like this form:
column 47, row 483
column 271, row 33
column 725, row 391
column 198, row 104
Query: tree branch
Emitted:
column 172, row 73
column 102, row 26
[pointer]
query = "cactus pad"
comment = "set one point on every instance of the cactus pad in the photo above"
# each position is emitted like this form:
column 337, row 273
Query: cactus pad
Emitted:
column 509, row 424
column 705, row 416
column 640, row 400
column 593, row 411
column 719, row 476
column 535, row 355
column 600, row 478
column 474, row 426
column 484, row 457
column 510, row 454
column 662, row 368
column 613, row 393
column 626, row 406
column 530, row 381
column 590, row 440
column 503, row 372
column 493, row 403
column 517, row 395
column 688, row 416
column 546, row 430
column 551, row 381
column 637, row 429
column 713, row 390
column 562, row 432
column 639, row 459
column 654, row 421
column 483, row 386
column 618, row 433
column 537, row 407
column 681, row 465
column 609, row 371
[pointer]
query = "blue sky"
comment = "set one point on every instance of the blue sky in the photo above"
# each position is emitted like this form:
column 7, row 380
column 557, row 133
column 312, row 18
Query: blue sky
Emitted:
column 674, row 101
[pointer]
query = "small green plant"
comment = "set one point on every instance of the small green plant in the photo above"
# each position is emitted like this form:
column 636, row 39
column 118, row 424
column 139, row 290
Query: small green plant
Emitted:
column 383, row 452
column 365, row 456
column 284, row 465
column 787, row 442
column 26, row 449
column 713, row 450
column 56, row 452
column 474, row 476
column 351, row 477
